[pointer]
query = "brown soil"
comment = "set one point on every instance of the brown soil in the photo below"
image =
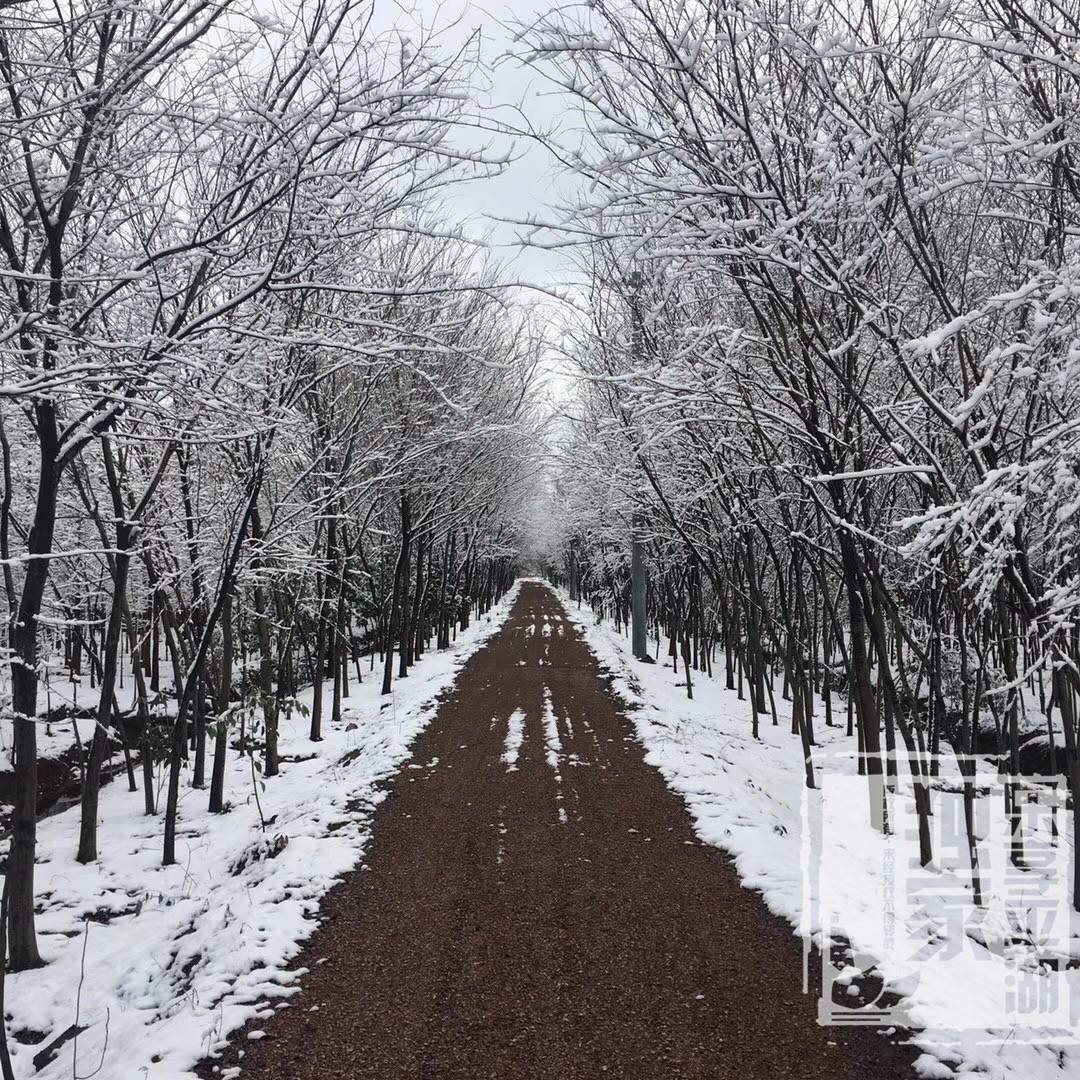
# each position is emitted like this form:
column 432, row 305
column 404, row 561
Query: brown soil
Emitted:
column 486, row 937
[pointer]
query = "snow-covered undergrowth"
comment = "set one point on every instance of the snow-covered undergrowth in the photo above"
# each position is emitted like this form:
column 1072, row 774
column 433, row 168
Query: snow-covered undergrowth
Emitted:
column 747, row 797
column 158, row 963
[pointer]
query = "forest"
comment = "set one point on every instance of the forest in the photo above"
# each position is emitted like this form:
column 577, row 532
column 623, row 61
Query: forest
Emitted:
column 801, row 408
column 828, row 367
column 260, row 419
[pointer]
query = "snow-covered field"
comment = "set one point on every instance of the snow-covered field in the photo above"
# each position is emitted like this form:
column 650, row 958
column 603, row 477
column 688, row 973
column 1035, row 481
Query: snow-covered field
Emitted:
column 960, row 986
column 158, row 964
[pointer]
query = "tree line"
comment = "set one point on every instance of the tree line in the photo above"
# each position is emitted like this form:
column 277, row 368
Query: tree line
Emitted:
column 264, row 421
column 827, row 358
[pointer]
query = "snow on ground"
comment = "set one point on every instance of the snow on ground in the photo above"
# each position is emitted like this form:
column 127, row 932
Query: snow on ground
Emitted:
column 553, row 750
column 747, row 797
column 515, row 733
column 552, row 743
column 161, row 963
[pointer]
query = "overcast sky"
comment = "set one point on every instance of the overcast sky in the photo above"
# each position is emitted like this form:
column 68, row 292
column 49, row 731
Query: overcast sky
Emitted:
column 531, row 183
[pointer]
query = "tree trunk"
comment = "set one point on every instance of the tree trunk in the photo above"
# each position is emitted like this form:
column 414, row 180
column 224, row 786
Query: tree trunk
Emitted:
column 224, row 701
column 418, row 597
column 401, row 569
column 19, row 878
column 6, row 1070
column 406, row 624
column 268, row 700
column 92, row 780
column 861, row 688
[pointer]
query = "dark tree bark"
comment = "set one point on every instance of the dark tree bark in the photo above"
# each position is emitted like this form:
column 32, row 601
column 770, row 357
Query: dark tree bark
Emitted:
column 406, row 577
column 19, row 878
column 92, row 780
column 268, row 700
column 397, row 601
column 224, row 700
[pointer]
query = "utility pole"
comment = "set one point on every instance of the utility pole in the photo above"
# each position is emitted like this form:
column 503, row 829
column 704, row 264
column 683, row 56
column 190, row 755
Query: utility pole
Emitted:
column 639, row 574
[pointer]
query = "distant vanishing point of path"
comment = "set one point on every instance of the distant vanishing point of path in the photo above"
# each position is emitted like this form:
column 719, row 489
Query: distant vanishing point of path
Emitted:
column 535, row 906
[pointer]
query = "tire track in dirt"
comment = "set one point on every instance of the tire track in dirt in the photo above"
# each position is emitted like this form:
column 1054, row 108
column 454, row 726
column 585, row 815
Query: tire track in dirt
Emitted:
column 488, row 938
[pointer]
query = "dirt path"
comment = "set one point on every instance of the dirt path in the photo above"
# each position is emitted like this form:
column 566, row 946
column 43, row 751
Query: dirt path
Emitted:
column 548, row 919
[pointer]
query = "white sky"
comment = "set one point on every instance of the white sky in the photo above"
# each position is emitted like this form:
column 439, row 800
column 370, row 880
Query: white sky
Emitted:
column 530, row 185
column 531, row 182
